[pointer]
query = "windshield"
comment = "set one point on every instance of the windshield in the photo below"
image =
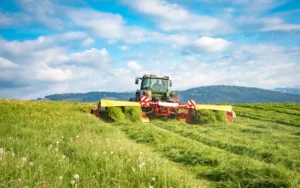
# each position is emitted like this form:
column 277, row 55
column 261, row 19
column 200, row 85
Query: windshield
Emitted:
column 159, row 84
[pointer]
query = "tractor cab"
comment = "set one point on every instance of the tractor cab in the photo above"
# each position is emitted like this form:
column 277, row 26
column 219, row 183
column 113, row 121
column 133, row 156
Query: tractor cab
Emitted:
column 155, row 87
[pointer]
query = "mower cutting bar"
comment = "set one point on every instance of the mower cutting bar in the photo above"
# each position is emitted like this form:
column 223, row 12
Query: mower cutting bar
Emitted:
column 162, row 108
column 110, row 103
column 213, row 107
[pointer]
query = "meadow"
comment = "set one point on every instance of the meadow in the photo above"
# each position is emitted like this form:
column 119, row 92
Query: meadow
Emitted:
column 57, row 144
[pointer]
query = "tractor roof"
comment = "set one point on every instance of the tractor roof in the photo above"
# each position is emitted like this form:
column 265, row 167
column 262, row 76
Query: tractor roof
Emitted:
column 155, row 76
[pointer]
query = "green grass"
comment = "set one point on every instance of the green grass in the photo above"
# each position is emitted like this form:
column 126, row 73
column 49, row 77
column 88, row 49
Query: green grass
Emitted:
column 224, row 168
column 61, row 140
column 272, row 107
column 261, row 148
column 269, row 116
column 257, row 144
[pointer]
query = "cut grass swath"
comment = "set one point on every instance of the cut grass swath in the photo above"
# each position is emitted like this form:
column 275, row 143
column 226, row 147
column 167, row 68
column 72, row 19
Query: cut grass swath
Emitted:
column 216, row 138
column 123, row 114
column 210, row 163
column 208, row 116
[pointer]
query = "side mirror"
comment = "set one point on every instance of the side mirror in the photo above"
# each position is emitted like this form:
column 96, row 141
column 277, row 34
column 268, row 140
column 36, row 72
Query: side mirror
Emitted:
column 170, row 83
column 137, row 81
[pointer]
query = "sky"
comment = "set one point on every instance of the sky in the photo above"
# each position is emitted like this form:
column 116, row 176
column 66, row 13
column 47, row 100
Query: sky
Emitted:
column 78, row 46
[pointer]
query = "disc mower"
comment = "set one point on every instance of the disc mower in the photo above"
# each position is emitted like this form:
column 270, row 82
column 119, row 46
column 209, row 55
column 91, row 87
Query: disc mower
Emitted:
column 156, row 99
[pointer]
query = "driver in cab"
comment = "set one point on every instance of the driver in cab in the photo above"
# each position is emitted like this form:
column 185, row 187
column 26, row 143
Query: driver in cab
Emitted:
column 157, row 85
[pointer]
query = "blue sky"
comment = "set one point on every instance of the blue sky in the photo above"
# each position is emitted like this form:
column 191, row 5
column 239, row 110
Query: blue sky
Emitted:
column 49, row 47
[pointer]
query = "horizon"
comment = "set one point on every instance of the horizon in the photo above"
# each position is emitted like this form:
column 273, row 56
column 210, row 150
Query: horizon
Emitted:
column 49, row 47
column 133, row 91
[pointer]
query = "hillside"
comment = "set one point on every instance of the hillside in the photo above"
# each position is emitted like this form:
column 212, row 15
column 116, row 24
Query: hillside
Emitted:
column 90, row 96
column 206, row 94
column 235, row 94
column 290, row 90
column 56, row 144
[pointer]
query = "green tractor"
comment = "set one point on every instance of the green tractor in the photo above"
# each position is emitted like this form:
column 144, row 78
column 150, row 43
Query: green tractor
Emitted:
column 156, row 88
column 156, row 99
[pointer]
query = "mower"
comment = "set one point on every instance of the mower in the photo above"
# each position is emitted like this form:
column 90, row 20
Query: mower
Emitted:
column 156, row 99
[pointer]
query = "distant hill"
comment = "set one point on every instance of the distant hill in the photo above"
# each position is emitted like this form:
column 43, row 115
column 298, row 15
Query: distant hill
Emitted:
column 206, row 94
column 290, row 90
column 236, row 94
column 90, row 97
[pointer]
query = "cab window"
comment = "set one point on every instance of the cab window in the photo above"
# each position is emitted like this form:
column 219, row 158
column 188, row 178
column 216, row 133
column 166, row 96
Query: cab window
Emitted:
column 145, row 84
column 159, row 84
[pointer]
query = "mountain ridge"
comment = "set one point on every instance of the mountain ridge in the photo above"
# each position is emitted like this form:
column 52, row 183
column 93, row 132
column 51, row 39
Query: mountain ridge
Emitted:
column 291, row 90
column 204, row 94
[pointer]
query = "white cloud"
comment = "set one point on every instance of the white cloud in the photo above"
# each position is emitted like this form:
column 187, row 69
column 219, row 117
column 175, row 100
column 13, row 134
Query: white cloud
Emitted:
column 173, row 17
column 264, row 66
column 211, row 44
column 229, row 10
column 48, row 74
column 250, row 15
column 177, row 39
column 240, row 68
column 39, row 64
column 277, row 24
column 138, row 56
column 102, row 24
column 253, row 23
column 13, row 19
column 16, row 47
column 8, row 70
column 124, row 48
column 53, row 50
column 133, row 65
column 52, row 64
column 207, row 44
column 111, row 41
column 258, row 7
column 6, row 64
column 72, row 35
column 190, row 59
column 160, row 8
column 88, row 42
column 44, row 12
column 136, row 35
column 105, row 25
column 58, row 57
column 113, row 27
column 5, row 20
column 90, row 57
column 249, row 7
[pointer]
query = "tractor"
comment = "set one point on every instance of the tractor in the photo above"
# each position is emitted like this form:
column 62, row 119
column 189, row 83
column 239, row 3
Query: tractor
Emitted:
column 156, row 99
column 157, row 88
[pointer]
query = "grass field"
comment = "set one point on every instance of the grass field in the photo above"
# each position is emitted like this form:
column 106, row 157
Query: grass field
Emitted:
column 56, row 144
